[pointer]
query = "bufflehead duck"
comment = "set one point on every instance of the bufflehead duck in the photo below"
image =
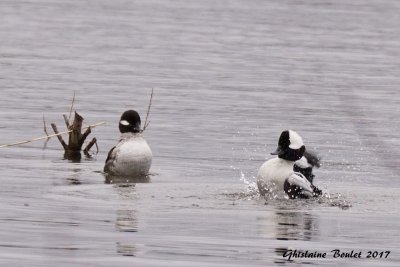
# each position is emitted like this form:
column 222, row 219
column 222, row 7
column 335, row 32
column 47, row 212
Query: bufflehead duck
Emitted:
column 277, row 174
column 132, row 156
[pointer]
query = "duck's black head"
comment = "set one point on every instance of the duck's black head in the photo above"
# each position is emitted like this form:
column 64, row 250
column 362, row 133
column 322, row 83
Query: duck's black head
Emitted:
column 306, row 164
column 290, row 146
column 312, row 158
column 129, row 122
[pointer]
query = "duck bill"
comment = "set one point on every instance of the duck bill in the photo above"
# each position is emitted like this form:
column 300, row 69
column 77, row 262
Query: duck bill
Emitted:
column 277, row 151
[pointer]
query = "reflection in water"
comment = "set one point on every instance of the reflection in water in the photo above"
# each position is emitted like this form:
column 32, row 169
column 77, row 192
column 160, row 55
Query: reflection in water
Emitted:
column 111, row 179
column 285, row 225
column 294, row 226
column 289, row 225
column 126, row 221
column 280, row 252
column 126, row 250
column 126, row 215
column 74, row 178
column 45, row 144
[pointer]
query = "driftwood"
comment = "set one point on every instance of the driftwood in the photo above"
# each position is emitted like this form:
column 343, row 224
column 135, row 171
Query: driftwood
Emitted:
column 76, row 138
column 47, row 136
column 89, row 146
column 59, row 136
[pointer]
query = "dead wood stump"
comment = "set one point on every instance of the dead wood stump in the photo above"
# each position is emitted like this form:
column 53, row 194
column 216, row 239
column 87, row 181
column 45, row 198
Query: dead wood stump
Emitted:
column 76, row 138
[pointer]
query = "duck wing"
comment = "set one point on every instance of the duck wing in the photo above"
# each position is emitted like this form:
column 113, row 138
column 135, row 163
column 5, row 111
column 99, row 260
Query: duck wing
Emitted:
column 110, row 159
column 297, row 186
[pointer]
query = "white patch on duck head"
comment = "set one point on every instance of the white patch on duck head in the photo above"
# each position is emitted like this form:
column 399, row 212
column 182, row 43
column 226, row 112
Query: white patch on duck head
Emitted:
column 295, row 140
column 303, row 163
column 124, row 122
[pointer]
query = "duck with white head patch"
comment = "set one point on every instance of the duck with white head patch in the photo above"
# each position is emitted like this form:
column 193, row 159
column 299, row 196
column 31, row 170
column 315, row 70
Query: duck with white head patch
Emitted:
column 132, row 156
column 277, row 175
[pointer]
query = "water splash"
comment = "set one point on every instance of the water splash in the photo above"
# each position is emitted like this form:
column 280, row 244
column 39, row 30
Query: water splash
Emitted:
column 251, row 192
column 335, row 200
column 250, row 183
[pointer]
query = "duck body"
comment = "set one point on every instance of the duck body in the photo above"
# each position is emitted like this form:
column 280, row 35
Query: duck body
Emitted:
column 132, row 155
column 273, row 174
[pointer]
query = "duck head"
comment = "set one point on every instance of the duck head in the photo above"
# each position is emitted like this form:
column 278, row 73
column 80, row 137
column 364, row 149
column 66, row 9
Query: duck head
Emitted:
column 129, row 122
column 290, row 146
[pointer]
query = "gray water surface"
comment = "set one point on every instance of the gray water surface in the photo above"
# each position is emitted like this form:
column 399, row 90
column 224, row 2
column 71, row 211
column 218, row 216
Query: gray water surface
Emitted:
column 228, row 77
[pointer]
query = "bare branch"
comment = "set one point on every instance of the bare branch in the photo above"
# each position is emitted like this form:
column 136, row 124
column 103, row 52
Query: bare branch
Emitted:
column 72, row 105
column 59, row 136
column 45, row 127
column 48, row 136
column 89, row 146
column 85, row 135
column 66, row 120
column 148, row 111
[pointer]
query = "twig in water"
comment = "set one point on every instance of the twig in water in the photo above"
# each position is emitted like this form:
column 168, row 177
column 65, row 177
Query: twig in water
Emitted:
column 85, row 134
column 146, row 123
column 72, row 105
column 45, row 127
column 66, row 120
column 89, row 146
column 59, row 136
column 48, row 136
